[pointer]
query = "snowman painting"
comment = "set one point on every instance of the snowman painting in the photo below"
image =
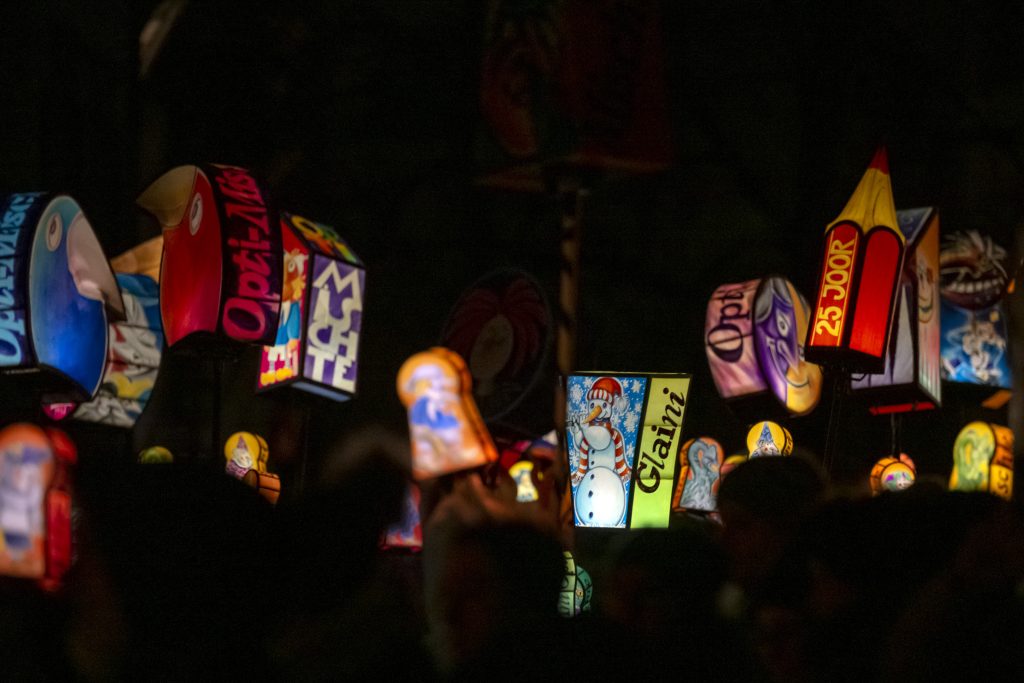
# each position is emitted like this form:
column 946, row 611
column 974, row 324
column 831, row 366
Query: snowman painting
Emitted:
column 602, row 435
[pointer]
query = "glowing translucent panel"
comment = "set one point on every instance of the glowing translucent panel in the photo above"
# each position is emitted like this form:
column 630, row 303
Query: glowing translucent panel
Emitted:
column 623, row 431
column 754, row 335
column 221, row 269
column 769, row 438
column 861, row 261
column 56, row 294
column 133, row 357
column 910, row 379
column 408, row 531
column 156, row 455
column 26, row 471
column 445, row 427
column 245, row 458
column 893, row 474
column 577, row 589
column 983, row 460
column 317, row 340
column 701, row 462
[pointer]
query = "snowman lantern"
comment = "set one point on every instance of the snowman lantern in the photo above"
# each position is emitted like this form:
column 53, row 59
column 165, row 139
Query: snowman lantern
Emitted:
column 603, row 473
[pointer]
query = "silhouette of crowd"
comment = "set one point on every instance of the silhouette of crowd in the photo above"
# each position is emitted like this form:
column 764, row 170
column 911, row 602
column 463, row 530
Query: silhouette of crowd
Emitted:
column 184, row 573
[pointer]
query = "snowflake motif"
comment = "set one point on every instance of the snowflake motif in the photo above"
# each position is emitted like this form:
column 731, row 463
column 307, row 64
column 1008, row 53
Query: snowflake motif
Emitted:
column 576, row 393
column 630, row 422
column 636, row 386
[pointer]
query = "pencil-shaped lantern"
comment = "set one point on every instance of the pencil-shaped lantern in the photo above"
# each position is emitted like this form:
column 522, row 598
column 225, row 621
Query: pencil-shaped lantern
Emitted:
column 983, row 460
column 861, row 265
column 57, row 293
column 317, row 340
column 445, row 427
column 221, row 268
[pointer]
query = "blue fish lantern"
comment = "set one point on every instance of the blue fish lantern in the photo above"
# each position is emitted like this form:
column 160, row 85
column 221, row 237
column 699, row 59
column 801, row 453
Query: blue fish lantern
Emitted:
column 57, row 296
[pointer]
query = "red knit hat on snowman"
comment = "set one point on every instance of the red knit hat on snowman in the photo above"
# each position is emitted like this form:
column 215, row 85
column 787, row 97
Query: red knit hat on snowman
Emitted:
column 605, row 389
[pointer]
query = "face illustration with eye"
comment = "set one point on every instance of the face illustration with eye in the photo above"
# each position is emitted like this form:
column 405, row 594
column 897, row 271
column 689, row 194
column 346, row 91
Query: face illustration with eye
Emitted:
column 780, row 318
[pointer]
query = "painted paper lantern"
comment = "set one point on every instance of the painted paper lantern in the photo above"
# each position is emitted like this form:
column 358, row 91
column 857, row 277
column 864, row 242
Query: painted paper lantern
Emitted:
column 221, row 271
column 156, row 455
column 246, row 458
column 754, row 339
column 57, row 294
column 861, row 265
column 893, row 474
column 503, row 326
column 769, row 438
column 974, row 280
column 407, row 533
column 911, row 377
column 445, row 426
column 26, row 472
column 572, row 82
column 522, row 475
column 700, row 474
column 623, row 434
column 584, row 593
column 317, row 340
column 567, row 594
column 133, row 360
column 59, row 538
column 983, row 460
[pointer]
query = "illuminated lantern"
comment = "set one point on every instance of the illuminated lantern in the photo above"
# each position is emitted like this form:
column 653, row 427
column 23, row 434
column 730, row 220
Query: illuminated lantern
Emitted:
column 156, row 455
column 59, row 538
column 246, row 459
column 584, row 590
column 624, row 432
column 769, row 438
column 861, row 265
column 893, row 474
column 408, row 531
column 521, row 474
column 700, row 474
column 445, row 427
column 975, row 343
column 317, row 340
column 221, row 268
column 503, row 326
column 577, row 588
column 133, row 359
column 26, row 472
column 983, row 460
column 911, row 377
column 754, row 338
column 56, row 294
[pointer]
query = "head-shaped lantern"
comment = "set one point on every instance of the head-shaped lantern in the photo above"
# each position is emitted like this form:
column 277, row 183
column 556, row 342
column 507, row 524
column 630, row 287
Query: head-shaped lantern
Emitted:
column 624, row 431
column 700, row 473
column 445, row 427
column 133, row 359
column 317, row 342
column 57, row 293
column 156, row 455
column 911, row 377
column 503, row 326
column 245, row 458
column 983, row 459
column 221, row 268
column 861, row 266
column 754, row 338
column 769, row 438
column 893, row 474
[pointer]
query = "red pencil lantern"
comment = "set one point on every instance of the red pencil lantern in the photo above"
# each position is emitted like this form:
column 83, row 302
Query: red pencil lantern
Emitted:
column 861, row 264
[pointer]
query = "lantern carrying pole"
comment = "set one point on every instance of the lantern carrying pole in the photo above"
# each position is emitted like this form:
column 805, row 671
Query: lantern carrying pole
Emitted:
column 839, row 387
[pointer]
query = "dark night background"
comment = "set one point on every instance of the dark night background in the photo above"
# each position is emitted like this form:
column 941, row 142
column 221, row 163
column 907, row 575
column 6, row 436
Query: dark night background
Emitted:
column 365, row 116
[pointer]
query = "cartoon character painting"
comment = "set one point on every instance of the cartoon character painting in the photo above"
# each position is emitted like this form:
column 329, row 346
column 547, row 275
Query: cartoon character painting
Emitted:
column 445, row 427
column 973, row 270
column 983, row 459
column 769, row 438
column 282, row 359
column 26, row 469
column 892, row 474
column 974, row 346
column 603, row 419
column 780, row 318
column 699, row 475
